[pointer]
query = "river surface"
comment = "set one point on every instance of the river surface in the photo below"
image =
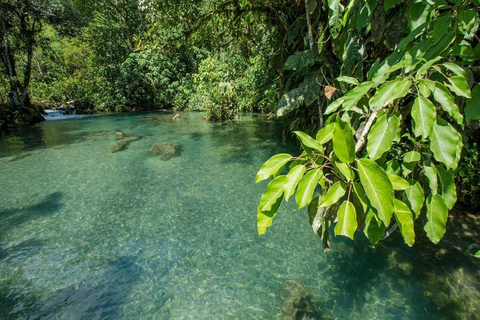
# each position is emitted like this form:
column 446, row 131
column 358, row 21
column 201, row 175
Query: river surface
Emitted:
column 87, row 233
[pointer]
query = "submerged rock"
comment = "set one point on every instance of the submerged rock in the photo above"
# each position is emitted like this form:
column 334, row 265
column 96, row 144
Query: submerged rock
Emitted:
column 297, row 302
column 176, row 117
column 120, row 146
column 165, row 151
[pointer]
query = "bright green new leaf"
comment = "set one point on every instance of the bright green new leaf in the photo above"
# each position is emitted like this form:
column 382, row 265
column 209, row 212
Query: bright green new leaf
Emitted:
column 424, row 90
column 353, row 96
column 477, row 254
column 332, row 107
column 381, row 136
column 306, row 187
column 411, row 157
column 347, row 220
column 269, row 204
column 472, row 108
column 414, row 197
column 398, row 183
column 343, row 143
column 272, row 166
column 455, row 68
column 345, row 170
column 378, row 188
column 446, row 144
column 431, row 173
column 424, row 68
column 326, row 133
column 374, row 228
column 437, row 215
column 271, row 194
column 389, row 92
column 334, row 193
column 459, row 85
column 292, row 180
column 446, row 101
column 404, row 219
column 424, row 116
column 448, row 188
column 348, row 80
column 309, row 141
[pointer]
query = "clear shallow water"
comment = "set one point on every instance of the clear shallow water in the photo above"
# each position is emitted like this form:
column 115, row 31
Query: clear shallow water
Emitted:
column 87, row 233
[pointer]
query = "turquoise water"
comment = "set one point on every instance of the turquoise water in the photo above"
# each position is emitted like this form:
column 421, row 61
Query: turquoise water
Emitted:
column 87, row 233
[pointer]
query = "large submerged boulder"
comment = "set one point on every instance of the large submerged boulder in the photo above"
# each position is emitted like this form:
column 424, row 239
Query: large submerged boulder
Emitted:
column 297, row 302
column 165, row 151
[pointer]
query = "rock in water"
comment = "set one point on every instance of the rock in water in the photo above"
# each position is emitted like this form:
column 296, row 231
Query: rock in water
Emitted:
column 297, row 302
column 165, row 151
column 176, row 117
column 120, row 146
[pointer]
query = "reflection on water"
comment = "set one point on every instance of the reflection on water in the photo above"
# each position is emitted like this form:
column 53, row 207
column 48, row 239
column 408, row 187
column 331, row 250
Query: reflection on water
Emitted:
column 87, row 233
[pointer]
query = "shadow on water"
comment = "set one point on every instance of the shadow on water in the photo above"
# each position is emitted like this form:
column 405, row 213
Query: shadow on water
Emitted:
column 99, row 296
column 12, row 218
column 427, row 281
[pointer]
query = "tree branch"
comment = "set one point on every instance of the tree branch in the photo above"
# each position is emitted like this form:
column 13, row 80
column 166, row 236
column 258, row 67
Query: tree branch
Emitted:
column 363, row 137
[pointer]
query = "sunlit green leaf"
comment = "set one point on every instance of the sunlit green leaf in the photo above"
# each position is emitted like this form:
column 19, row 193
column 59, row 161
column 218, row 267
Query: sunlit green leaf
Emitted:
column 472, row 108
column 424, row 116
column 272, row 166
column 348, row 80
column 446, row 144
column 389, row 92
column 437, row 214
column 347, row 220
column 446, row 101
column 326, row 133
column 378, row 188
column 306, row 187
column 374, row 228
column 381, row 136
column 448, row 188
column 404, row 219
column 292, row 180
column 414, row 197
column 273, row 191
column 455, row 68
column 398, row 183
column 309, row 141
column 343, row 143
column 345, row 170
column 334, row 193
column 459, row 85
column 431, row 173
column 352, row 97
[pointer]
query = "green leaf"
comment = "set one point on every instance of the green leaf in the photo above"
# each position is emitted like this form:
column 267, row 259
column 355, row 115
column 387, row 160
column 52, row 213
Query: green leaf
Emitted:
column 472, row 108
column 477, row 254
column 424, row 68
column 347, row 220
column 459, row 85
column 455, row 68
column 271, row 194
column 446, row 144
column 335, row 18
column 348, row 80
column 326, row 133
column 271, row 199
column 360, row 193
column 374, row 228
column 343, row 143
column 381, row 136
column 345, row 170
column 352, row 97
column 414, row 198
column 378, row 188
column 389, row 92
column 424, row 90
column 398, row 183
column 334, row 193
column 272, row 166
column 424, row 116
column 411, row 157
column 309, row 141
column 441, row 26
column 292, row 180
column 306, row 187
column 448, row 189
column 437, row 215
column 431, row 173
column 418, row 15
column 388, row 4
column 446, row 101
column 332, row 107
column 404, row 218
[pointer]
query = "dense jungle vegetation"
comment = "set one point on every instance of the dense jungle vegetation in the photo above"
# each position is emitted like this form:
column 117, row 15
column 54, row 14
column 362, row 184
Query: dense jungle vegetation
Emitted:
column 392, row 84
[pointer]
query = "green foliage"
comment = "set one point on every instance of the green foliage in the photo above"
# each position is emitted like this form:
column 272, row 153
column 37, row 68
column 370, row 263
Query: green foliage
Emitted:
column 393, row 140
